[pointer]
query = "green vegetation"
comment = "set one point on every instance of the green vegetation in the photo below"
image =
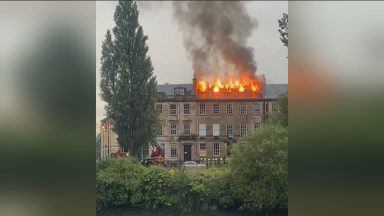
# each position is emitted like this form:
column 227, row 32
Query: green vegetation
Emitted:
column 127, row 84
column 255, row 181
column 283, row 29
column 260, row 169
column 280, row 117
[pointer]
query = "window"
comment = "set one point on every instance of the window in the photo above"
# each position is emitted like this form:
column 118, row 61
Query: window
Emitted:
column 160, row 129
column 159, row 109
column 173, row 109
column 216, row 109
column 162, row 149
column 243, row 109
column 187, row 129
column 229, row 109
column 186, row 109
column 202, row 130
column 243, row 129
column 202, row 109
column 173, row 150
column 216, row 131
column 256, row 108
column 216, row 149
column 229, row 131
column 179, row 91
column 257, row 125
column 173, row 129
column 203, row 149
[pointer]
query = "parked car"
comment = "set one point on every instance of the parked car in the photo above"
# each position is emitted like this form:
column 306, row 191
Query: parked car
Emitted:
column 193, row 164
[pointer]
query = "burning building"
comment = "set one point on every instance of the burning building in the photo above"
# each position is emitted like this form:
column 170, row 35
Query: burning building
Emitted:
column 192, row 128
column 195, row 128
column 227, row 99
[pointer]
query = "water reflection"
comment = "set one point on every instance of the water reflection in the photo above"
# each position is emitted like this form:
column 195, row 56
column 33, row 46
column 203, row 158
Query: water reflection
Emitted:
column 169, row 212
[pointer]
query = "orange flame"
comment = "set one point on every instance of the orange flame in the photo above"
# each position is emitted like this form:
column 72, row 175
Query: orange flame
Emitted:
column 230, row 85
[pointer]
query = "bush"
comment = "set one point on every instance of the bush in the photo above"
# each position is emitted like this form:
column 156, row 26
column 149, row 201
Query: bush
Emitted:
column 256, row 180
column 154, row 189
column 218, row 187
column 117, row 182
column 259, row 169
column 125, row 182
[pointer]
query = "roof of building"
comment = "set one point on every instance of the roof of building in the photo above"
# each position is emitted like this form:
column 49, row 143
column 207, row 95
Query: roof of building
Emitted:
column 271, row 91
column 168, row 89
column 274, row 90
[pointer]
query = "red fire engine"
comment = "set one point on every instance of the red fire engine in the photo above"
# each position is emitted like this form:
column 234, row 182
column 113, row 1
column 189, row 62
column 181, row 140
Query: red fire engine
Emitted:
column 157, row 158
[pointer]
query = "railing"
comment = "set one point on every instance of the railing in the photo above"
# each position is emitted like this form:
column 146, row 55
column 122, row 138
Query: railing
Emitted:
column 187, row 137
column 208, row 162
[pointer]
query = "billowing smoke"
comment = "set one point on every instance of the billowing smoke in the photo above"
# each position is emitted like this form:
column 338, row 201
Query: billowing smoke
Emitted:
column 215, row 36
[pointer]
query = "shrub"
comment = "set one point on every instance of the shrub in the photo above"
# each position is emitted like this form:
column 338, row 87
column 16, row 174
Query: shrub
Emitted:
column 259, row 169
column 218, row 187
column 117, row 182
column 154, row 189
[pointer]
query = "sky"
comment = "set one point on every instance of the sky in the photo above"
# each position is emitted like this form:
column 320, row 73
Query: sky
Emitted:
column 169, row 58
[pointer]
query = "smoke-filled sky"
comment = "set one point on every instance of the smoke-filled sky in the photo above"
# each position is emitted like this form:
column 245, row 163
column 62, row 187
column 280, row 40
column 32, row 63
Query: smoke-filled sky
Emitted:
column 215, row 35
column 171, row 61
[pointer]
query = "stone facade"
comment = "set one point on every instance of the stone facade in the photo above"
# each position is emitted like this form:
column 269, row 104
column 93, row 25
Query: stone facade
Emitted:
column 178, row 126
column 108, row 143
column 192, row 129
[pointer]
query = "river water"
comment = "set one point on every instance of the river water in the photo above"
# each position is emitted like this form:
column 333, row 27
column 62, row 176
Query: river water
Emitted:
column 168, row 212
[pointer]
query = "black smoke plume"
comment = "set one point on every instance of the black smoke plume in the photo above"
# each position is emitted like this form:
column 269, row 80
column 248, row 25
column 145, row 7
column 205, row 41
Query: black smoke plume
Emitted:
column 215, row 35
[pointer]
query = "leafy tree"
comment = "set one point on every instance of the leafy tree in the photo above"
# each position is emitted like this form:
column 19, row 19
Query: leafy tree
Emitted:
column 283, row 29
column 280, row 117
column 259, row 169
column 127, row 81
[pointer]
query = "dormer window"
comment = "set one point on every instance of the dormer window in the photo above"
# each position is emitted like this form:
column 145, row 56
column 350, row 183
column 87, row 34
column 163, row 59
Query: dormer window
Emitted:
column 180, row 91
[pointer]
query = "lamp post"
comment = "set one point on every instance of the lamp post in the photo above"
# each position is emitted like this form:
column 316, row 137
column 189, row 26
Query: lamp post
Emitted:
column 105, row 128
column 109, row 153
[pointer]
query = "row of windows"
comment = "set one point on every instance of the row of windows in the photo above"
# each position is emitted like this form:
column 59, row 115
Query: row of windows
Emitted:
column 229, row 130
column 229, row 109
column 215, row 109
column 173, row 109
column 203, row 129
column 173, row 129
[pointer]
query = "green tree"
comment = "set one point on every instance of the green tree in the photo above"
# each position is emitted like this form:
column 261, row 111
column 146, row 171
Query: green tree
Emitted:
column 283, row 29
column 127, row 81
column 280, row 116
column 259, row 169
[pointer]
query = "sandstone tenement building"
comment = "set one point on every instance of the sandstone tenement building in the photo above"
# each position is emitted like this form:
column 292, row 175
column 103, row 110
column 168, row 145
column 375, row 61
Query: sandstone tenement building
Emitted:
column 192, row 128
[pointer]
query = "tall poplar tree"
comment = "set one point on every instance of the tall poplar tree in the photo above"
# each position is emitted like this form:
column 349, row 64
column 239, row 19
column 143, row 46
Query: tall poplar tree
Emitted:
column 283, row 29
column 128, row 85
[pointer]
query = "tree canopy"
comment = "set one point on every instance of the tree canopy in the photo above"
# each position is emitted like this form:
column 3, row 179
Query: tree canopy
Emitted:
column 283, row 29
column 127, row 84
column 260, row 169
